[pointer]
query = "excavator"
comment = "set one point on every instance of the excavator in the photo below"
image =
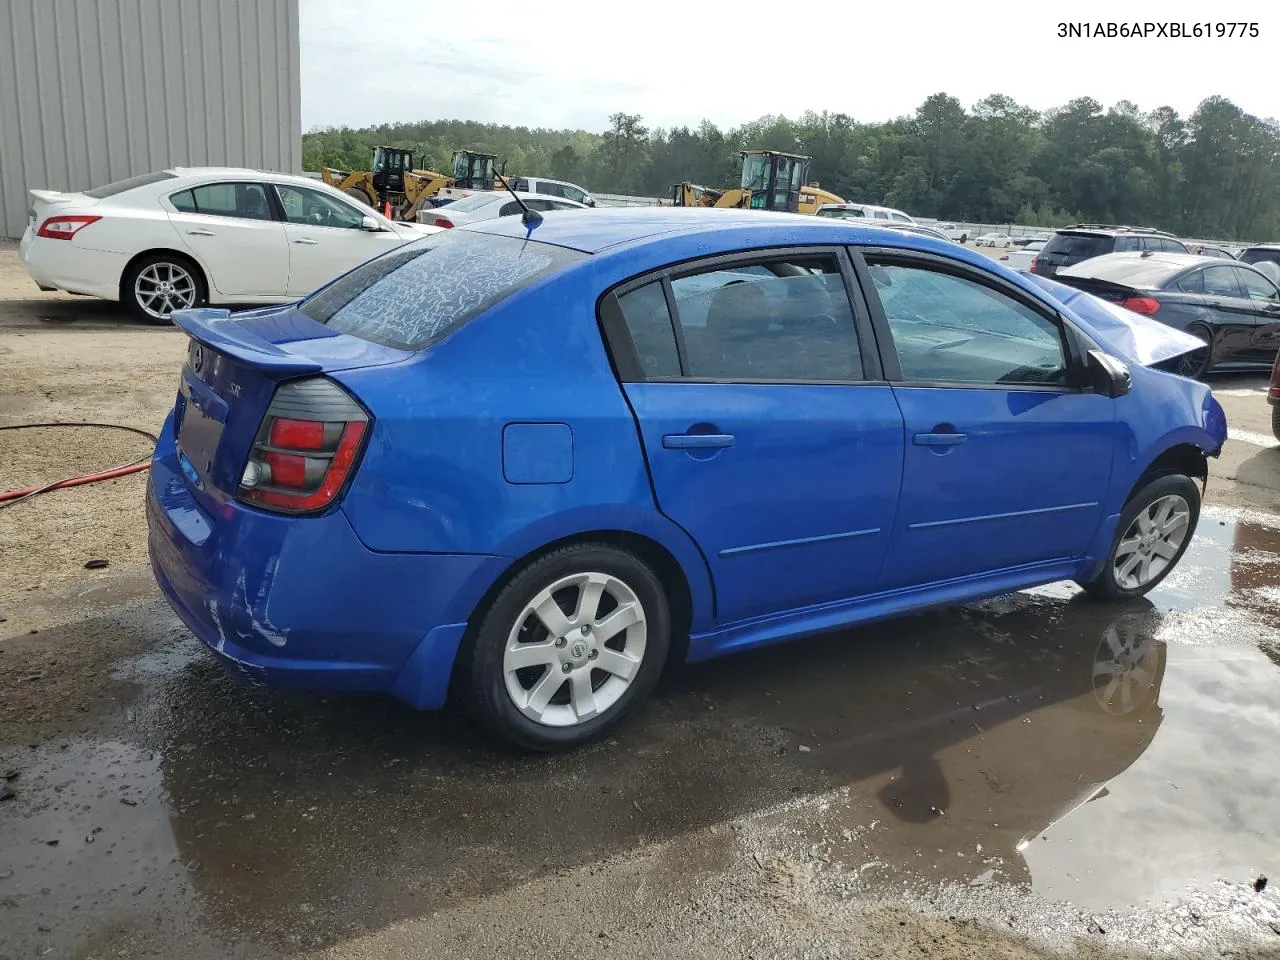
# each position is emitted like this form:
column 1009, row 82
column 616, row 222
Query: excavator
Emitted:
column 771, row 180
column 394, row 184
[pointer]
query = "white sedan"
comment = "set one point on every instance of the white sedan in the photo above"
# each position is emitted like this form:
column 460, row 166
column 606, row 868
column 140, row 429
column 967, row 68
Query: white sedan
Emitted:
column 189, row 236
column 490, row 204
column 993, row 240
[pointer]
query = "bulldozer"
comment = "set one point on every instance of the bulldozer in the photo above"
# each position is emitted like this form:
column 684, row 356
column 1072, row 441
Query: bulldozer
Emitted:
column 771, row 180
column 396, row 187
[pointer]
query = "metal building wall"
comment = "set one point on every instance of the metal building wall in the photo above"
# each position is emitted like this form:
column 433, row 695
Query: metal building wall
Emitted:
column 98, row 90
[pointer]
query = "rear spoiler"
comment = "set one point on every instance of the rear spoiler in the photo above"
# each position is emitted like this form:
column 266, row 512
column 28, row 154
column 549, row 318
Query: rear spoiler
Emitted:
column 214, row 328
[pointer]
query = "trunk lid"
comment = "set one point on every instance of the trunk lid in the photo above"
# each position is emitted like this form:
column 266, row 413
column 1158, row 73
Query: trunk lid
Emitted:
column 45, row 203
column 234, row 366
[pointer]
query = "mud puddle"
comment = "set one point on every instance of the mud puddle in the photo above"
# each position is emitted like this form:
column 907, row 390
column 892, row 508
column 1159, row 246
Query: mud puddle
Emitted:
column 1037, row 758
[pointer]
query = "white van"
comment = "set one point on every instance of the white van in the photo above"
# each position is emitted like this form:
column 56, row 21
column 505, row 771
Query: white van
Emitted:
column 554, row 188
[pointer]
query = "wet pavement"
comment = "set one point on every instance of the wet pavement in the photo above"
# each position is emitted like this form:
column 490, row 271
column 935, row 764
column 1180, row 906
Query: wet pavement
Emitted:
column 1039, row 762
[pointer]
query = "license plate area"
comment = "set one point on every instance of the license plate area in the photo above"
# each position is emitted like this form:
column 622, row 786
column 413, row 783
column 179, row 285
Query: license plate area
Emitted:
column 204, row 415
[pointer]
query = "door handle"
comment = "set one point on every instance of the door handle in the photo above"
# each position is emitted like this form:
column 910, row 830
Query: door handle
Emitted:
column 306, row 240
column 201, row 233
column 939, row 439
column 696, row 441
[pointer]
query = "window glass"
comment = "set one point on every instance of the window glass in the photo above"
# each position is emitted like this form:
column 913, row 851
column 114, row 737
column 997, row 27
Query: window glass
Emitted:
column 1129, row 244
column 519, row 183
column 649, row 323
column 899, row 216
column 511, row 207
column 1082, row 245
column 574, row 194
column 247, row 201
column 316, row 209
column 951, row 329
column 773, row 320
column 1192, row 283
column 120, row 186
column 1256, row 286
column 419, row 291
column 1221, row 282
column 881, row 215
column 552, row 189
column 183, row 201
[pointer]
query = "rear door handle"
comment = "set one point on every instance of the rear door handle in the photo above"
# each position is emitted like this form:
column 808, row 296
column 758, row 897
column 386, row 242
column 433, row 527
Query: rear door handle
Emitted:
column 939, row 439
column 201, row 233
column 696, row 441
column 308, row 241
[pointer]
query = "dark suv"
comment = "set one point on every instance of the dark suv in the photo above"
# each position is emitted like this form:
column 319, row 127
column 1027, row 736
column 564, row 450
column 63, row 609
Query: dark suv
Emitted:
column 1261, row 253
column 1070, row 245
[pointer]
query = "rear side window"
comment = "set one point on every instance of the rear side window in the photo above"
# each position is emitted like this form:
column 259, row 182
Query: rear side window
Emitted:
column 120, row 186
column 1080, row 245
column 552, row 189
column 417, row 293
column 649, row 323
column 1221, row 282
column 245, row 201
column 1256, row 287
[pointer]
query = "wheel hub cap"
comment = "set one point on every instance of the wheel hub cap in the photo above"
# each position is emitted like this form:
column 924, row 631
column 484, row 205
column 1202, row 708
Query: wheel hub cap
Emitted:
column 1152, row 542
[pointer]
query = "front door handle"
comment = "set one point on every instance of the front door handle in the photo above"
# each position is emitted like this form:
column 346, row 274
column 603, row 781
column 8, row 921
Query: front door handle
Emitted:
column 939, row 439
column 200, row 233
column 696, row 441
column 306, row 240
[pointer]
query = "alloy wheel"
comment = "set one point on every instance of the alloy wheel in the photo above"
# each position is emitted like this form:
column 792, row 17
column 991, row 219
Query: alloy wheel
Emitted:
column 1125, row 669
column 164, row 287
column 574, row 649
column 1152, row 542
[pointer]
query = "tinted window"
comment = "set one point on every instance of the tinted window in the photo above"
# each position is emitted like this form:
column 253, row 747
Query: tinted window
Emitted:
column 554, row 189
column 1079, row 245
column 1131, row 244
column 511, row 207
column 774, row 320
column 1173, row 246
column 573, row 193
column 1221, row 282
column 120, row 186
column 881, row 215
column 418, row 292
column 247, row 201
column 183, row 201
column 899, row 216
column 1259, row 254
column 316, row 209
column 1256, row 286
column 1193, row 282
column 649, row 323
column 948, row 328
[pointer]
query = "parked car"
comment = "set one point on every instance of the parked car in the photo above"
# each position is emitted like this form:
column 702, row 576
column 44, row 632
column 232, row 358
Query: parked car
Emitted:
column 919, row 229
column 1232, row 307
column 486, row 461
column 1029, row 238
column 554, row 188
column 1210, row 250
column 1261, row 253
column 993, row 240
column 862, row 211
column 488, row 206
column 1022, row 259
column 1071, row 245
column 184, row 237
column 953, row 231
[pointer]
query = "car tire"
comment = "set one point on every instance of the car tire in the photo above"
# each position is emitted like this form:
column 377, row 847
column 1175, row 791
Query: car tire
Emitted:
column 964, row 238
column 1136, row 563
column 1275, row 422
column 143, row 290
column 1195, row 365
column 546, row 689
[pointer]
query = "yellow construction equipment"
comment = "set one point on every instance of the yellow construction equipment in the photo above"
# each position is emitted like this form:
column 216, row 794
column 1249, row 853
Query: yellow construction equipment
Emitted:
column 771, row 180
column 394, row 184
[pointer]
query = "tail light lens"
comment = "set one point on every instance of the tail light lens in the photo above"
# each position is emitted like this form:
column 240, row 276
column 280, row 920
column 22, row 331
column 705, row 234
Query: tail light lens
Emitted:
column 1146, row 306
column 1034, row 266
column 306, row 449
column 442, row 222
column 64, row 228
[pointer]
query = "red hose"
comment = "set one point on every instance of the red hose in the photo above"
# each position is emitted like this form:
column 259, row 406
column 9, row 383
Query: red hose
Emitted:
column 76, row 481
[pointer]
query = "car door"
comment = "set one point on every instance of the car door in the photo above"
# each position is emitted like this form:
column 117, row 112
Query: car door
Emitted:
column 1264, row 301
column 1007, row 460
column 326, row 237
column 230, row 229
column 769, row 435
column 1230, row 312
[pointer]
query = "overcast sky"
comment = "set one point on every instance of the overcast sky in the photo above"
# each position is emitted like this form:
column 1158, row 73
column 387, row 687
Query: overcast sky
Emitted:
column 567, row 63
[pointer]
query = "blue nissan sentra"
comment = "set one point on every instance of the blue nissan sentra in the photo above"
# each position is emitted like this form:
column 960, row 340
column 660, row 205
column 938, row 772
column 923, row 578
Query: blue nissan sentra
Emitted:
column 526, row 464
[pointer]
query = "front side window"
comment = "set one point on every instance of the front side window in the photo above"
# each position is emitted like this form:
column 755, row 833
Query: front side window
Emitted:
column 1256, row 286
column 244, row 201
column 1221, row 282
column 952, row 329
column 574, row 194
column 770, row 320
column 315, row 209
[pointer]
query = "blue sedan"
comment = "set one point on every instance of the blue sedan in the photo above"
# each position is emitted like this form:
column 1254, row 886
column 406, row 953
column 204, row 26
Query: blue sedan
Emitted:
column 528, row 464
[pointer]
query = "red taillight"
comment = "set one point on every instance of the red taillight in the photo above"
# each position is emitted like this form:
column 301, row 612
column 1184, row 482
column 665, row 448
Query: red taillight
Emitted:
column 1274, row 391
column 64, row 228
column 307, row 447
column 442, row 222
column 1032, row 267
column 1146, row 306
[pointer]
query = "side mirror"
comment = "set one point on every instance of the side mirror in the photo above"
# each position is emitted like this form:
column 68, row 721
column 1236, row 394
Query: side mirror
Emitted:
column 370, row 224
column 1107, row 375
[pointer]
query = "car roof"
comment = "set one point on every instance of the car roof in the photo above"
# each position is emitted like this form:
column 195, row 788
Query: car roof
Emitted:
column 608, row 227
column 1263, row 246
column 242, row 173
column 1111, row 230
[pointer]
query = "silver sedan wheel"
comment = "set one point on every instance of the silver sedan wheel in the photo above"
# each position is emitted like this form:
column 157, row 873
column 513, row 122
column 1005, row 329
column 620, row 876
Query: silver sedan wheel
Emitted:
column 1152, row 542
column 162, row 288
column 575, row 649
column 1125, row 669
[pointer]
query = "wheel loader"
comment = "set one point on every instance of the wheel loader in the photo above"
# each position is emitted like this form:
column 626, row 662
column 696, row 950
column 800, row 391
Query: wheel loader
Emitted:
column 770, row 180
column 394, row 185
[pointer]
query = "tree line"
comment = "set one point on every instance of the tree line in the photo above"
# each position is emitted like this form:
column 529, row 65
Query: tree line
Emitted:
column 1211, row 174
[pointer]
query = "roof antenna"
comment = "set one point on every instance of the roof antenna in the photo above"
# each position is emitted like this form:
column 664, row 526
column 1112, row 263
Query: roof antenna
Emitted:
column 529, row 216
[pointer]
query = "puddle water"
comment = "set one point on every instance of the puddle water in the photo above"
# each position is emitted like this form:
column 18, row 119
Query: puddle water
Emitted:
column 1111, row 756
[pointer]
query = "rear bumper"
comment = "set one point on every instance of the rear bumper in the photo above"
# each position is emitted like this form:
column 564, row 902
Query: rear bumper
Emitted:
column 300, row 603
column 64, row 265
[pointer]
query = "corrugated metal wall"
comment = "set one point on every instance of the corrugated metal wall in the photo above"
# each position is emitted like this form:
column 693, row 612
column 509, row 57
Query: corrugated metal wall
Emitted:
column 97, row 90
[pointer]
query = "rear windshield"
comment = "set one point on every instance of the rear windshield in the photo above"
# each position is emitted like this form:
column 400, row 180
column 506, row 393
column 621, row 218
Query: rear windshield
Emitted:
column 842, row 213
column 407, row 298
column 1132, row 270
column 120, row 186
column 1079, row 245
column 1260, row 255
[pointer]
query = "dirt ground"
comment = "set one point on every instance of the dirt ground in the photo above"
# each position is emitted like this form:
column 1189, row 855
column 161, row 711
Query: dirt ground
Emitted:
column 934, row 789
